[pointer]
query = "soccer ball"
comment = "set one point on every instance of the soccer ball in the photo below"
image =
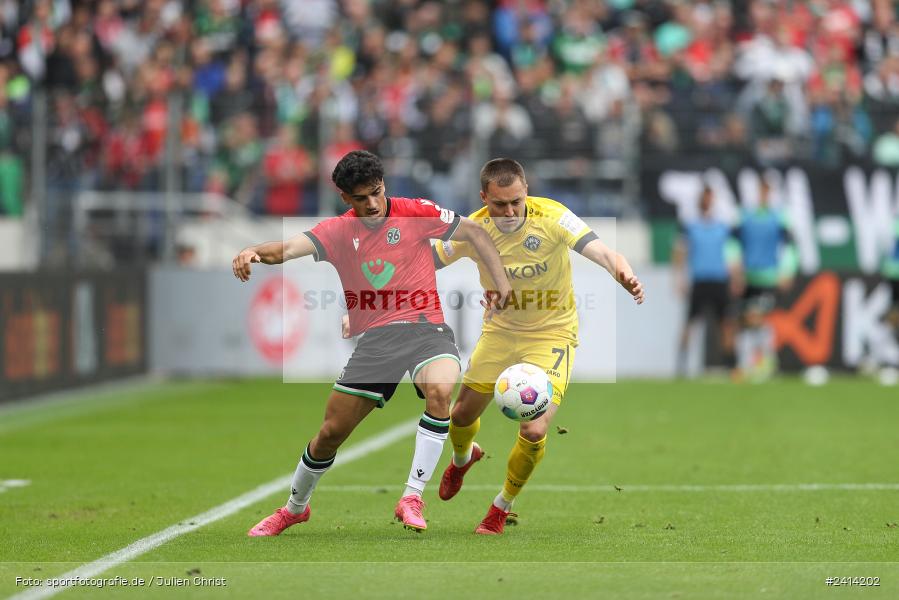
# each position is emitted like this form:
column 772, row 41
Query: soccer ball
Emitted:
column 523, row 392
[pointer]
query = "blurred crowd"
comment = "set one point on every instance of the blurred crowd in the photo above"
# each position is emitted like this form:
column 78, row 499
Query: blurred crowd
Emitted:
column 257, row 99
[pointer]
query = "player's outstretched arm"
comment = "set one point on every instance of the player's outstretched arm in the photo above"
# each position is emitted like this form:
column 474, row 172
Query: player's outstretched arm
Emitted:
column 617, row 266
column 469, row 231
column 270, row 253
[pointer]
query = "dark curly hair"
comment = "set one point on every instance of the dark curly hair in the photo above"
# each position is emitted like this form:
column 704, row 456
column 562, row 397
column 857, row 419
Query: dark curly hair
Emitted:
column 356, row 168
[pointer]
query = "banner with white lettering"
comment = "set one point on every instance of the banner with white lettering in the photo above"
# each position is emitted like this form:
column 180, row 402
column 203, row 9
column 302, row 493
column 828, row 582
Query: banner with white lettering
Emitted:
column 841, row 219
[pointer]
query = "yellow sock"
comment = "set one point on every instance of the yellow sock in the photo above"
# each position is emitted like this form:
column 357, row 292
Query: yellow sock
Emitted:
column 462, row 437
column 523, row 459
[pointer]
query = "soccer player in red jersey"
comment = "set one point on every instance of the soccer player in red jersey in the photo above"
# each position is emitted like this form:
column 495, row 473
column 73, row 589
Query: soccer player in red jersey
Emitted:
column 382, row 252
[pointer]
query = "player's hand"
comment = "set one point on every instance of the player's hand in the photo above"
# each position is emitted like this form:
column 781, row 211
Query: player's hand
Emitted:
column 241, row 263
column 495, row 300
column 345, row 327
column 489, row 303
column 629, row 282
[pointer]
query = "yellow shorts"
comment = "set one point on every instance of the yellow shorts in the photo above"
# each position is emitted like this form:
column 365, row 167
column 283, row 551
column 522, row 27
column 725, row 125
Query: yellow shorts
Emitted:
column 496, row 351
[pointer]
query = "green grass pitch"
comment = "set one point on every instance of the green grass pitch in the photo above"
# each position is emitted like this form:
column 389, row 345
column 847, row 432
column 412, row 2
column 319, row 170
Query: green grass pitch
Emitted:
column 657, row 490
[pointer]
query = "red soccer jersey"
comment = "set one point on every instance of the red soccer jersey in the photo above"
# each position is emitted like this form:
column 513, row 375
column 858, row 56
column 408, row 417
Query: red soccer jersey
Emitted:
column 387, row 272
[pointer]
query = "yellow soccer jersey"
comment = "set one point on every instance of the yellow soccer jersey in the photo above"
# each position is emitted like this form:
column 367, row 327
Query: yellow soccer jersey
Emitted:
column 535, row 257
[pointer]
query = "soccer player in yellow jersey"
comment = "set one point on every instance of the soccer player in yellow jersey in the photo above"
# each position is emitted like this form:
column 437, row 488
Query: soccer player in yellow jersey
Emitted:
column 538, row 324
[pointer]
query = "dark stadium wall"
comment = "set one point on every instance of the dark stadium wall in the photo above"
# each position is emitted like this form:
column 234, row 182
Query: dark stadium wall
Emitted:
column 62, row 330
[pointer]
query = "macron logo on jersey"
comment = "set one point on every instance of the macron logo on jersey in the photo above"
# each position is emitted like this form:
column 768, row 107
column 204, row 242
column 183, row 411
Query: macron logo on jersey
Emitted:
column 446, row 215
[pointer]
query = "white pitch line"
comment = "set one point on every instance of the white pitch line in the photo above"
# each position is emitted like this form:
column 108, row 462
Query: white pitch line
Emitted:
column 594, row 489
column 8, row 484
column 144, row 545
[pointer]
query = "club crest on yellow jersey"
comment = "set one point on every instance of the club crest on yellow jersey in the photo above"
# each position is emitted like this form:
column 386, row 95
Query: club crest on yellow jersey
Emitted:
column 532, row 242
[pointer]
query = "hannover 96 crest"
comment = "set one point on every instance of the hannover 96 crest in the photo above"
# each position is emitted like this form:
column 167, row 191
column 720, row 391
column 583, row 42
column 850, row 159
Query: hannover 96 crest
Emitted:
column 532, row 242
column 393, row 235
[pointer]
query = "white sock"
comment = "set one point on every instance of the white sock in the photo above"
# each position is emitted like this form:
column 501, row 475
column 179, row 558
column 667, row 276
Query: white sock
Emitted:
column 502, row 503
column 461, row 461
column 432, row 433
column 308, row 472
